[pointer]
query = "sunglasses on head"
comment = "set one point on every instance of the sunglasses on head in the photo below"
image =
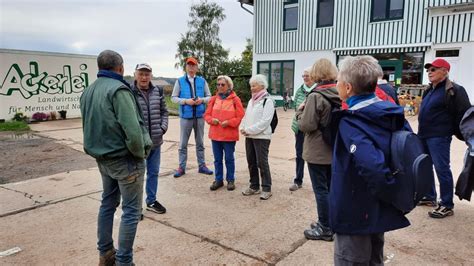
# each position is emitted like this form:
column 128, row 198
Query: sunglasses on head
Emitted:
column 221, row 84
column 432, row 69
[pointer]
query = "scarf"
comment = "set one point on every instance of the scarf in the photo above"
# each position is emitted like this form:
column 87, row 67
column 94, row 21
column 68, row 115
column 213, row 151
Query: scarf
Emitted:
column 308, row 89
column 353, row 100
column 112, row 75
column 259, row 95
column 224, row 95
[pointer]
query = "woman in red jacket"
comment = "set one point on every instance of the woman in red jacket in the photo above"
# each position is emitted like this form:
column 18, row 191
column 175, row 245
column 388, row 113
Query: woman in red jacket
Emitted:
column 224, row 113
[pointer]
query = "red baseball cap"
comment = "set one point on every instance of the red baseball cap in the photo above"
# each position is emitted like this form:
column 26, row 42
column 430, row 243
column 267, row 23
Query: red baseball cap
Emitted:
column 438, row 63
column 191, row 60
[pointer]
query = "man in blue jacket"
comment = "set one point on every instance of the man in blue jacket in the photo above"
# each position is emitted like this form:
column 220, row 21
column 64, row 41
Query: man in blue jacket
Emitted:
column 191, row 92
column 361, row 189
column 155, row 113
column 442, row 108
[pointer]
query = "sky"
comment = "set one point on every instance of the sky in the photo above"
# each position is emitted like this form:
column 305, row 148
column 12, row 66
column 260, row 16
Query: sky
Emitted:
column 141, row 30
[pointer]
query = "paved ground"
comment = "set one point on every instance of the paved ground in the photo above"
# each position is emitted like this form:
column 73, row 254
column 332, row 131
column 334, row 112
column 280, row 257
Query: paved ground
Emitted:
column 52, row 219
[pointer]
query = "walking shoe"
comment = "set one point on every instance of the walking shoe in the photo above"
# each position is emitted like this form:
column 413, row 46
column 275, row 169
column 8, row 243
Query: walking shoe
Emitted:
column 441, row 212
column 204, row 170
column 313, row 225
column 230, row 185
column 250, row 191
column 179, row 172
column 156, row 207
column 108, row 259
column 217, row 184
column 319, row 233
column 295, row 187
column 427, row 202
column 265, row 195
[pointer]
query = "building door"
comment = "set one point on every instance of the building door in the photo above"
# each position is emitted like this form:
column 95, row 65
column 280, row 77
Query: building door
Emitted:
column 392, row 71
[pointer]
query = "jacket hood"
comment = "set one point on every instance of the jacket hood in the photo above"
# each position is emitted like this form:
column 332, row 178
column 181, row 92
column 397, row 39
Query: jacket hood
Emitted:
column 330, row 93
column 382, row 113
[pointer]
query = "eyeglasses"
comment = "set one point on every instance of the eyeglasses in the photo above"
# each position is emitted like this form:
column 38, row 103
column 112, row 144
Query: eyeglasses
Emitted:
column 221, row 84
column 432, row 69
column 305, row 76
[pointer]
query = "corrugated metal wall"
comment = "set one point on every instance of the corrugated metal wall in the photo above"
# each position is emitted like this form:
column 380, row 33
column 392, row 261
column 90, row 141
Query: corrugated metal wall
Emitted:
column 352, row 26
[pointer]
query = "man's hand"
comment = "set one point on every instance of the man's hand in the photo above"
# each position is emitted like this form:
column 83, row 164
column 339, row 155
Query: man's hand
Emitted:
column 189, row 102
column 242, row 131
column 301, row 107
column 198, row 101
column 215, row 121
column 225, row 123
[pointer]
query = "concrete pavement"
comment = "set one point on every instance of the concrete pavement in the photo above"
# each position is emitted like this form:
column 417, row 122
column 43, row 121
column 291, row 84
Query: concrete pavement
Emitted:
column 52, row 219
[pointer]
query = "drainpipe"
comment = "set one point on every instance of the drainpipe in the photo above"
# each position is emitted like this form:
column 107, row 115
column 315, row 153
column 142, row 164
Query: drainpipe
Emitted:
column 242, row 6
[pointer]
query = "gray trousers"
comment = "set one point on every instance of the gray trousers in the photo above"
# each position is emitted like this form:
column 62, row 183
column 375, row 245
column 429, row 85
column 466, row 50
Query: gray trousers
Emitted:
column 358, row 249
column 186, row 126
column 257, row 159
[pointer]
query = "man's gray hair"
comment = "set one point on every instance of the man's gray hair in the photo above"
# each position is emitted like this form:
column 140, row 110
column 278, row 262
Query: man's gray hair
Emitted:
column 259, row 79
column 227, row 80
column 361, row 72
column 109, row 60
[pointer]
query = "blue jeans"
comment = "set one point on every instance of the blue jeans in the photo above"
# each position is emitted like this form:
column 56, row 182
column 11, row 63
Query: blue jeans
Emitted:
column 186, row 126
column 299, row 140
column 152, row 172
column 439, row 150
column 121, row 177
column 320, row 179
column 219, row 148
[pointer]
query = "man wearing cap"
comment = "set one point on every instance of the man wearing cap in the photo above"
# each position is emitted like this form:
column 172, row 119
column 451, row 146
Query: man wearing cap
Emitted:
column 115, row 135
column 442, row 108
column 191, row 92
column 155, row 113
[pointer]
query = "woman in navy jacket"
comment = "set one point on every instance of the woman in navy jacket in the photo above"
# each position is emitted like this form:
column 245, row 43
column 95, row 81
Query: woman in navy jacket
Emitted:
column 362, row 184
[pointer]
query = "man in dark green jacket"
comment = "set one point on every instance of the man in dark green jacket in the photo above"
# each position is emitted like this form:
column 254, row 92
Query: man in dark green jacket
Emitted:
column 115, row 135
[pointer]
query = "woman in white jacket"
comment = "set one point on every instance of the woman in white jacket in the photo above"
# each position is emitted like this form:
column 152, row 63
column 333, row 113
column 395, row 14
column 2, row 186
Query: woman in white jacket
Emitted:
column 256, row 128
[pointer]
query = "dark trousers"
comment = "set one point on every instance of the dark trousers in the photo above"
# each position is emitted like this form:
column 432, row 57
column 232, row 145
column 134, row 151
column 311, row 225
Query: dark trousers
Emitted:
column 320, row 179
column 299, row 140
column 358, row 249
column 257, row 159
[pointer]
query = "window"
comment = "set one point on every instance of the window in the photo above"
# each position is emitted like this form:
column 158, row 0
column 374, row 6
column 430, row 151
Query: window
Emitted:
column 280, row 74
column 447, row 53
column 325, row 13
column 387, row 9
column 290, row 15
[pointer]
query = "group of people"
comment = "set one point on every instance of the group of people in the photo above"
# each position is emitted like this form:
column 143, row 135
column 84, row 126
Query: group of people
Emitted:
column 124, row 125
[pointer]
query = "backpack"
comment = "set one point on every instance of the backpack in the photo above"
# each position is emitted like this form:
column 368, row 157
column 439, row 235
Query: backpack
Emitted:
column 274, row 122
column 412, row 169
column 329, row 129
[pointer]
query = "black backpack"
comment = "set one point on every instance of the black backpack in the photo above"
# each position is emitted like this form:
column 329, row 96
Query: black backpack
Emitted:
column 412, row 169
column 329, row 129
column 274, row 122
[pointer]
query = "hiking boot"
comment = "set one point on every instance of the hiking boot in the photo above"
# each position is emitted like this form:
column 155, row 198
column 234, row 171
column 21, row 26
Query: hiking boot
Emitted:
column 230, row 185
column 295, row 187
column 441, row 212
column 265, row 195
column 179, row 172
column 314, row 225
column 250, row 191
column 217, row 184
column 319, row 233
column 204, row 170
column 108, row 259
column 427, row 202
column 156, row 207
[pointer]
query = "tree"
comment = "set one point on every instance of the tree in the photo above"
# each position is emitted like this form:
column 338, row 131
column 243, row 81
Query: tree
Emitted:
column 202, row 38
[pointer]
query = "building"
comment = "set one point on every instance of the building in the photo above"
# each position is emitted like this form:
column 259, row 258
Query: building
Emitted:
column 290, row 35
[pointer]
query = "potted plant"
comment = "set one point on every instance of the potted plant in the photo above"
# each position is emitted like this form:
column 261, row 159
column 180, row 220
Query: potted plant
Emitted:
column 39, row 116
column 62, row 114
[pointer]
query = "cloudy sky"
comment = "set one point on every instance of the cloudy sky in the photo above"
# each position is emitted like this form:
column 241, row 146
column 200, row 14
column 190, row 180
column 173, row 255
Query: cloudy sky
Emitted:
column 141, row 30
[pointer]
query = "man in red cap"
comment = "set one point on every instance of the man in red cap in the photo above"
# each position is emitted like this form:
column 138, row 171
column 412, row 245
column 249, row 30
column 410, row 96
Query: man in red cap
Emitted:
column 191, row 92
column 442, row 108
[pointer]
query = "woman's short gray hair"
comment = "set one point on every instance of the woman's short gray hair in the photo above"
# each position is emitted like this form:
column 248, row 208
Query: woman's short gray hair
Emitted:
column 307, row 70
column 259, row 79
column 227, row 80
column 361, row 72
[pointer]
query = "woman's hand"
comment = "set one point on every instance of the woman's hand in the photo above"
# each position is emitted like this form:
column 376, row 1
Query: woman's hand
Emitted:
column 225, row 123
column 215, row 121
